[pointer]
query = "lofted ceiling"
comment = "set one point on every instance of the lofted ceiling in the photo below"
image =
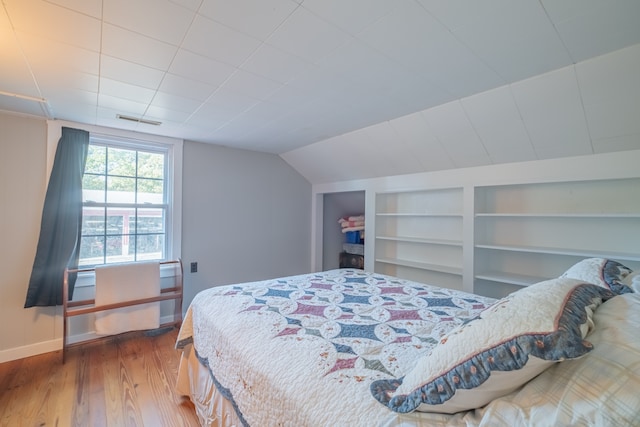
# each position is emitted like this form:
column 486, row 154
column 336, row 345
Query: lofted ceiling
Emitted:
column 332, row 85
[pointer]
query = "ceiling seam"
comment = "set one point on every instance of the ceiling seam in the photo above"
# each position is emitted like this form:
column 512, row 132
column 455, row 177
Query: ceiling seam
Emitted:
column 584, row 110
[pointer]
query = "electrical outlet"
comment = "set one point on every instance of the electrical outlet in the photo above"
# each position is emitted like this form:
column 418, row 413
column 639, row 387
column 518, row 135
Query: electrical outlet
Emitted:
column 194, row 267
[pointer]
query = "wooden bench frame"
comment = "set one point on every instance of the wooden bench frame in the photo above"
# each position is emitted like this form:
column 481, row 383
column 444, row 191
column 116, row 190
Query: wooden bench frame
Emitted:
column 78, row 308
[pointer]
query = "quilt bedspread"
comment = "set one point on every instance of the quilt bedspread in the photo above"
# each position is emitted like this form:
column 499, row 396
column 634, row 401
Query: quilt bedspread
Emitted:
column 303, row 350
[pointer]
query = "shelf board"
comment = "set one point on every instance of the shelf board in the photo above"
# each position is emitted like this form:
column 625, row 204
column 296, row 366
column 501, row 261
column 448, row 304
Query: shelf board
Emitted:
column 559, row 215
column 422, row 265
column 420, row 240
column 564, row 251
column 511, row 278
column 418, row 214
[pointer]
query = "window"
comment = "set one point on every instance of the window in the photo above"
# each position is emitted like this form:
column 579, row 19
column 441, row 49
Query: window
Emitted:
column 126, row 207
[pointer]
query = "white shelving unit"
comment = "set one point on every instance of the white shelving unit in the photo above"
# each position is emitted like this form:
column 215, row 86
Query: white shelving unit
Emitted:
column 418, row 235
column 525, row 233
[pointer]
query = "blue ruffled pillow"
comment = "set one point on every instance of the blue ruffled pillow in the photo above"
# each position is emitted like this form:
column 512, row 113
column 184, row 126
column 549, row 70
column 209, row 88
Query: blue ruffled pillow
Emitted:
column 602, row 272
column 492, row 355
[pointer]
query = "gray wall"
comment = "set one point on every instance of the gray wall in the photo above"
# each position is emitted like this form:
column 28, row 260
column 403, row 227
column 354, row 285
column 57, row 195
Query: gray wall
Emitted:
column 22, row 188
column 246, row 216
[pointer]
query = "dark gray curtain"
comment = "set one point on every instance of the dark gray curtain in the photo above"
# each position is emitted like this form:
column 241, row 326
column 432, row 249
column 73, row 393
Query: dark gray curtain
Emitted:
column 59, row 242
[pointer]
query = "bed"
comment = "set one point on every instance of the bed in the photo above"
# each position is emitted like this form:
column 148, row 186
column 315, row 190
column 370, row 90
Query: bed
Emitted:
column 353, row 348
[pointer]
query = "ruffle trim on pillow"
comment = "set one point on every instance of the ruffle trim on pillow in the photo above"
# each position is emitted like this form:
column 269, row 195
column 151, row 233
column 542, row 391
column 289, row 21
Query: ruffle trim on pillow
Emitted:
column 566, row 342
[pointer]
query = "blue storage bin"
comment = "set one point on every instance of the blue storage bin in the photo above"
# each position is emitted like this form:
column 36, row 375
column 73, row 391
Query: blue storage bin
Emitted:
column 353, row 236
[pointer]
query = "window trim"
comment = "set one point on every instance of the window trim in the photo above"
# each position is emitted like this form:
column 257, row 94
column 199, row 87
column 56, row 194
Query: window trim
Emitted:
column 174, row 148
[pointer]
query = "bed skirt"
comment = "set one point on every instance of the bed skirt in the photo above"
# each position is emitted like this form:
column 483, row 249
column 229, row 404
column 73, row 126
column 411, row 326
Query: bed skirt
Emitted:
column 195, row 382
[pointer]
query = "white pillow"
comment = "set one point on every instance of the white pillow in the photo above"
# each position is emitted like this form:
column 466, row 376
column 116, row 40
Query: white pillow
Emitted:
column 602, row 272
column 509, row 343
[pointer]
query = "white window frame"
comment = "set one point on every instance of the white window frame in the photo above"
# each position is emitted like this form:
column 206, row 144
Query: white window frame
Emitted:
column 173, row 179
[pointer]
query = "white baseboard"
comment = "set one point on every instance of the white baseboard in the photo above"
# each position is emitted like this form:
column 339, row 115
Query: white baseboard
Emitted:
column 30, row 350
column 53, row 345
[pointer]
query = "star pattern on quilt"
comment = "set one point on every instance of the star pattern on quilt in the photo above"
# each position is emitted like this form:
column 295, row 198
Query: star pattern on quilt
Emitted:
column 357, row 315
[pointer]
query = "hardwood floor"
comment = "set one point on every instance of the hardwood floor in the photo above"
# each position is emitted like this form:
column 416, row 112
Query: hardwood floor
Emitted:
column 125, row 380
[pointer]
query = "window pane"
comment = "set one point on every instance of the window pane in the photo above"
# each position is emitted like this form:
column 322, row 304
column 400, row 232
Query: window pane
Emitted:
column 150, row 165
column 150, row 221
column 120, row 248
column 121, row 162
column 150, row 247
column 91, row 250
column 92, row 221
column 116, row 220
column 121, row 190
column 93, row 189
column 150, row 191
column 96, row 160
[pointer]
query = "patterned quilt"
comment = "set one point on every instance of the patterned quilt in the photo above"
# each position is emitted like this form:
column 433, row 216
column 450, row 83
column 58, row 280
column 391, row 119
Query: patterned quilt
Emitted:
column 302, row 350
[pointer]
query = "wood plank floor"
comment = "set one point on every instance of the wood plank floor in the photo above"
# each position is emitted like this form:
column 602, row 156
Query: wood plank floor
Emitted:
column 125, row 380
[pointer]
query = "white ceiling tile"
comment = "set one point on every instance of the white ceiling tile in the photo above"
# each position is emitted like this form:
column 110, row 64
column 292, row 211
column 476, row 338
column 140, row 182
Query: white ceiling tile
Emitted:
column 158, row 19
column 184, row 87
column 175, row 102
column 421, row 141
column 121, row 105
column 129, row 72
column 165, row 114
column 532, row 46
column 257, row 18
column 563, row 150
column 53, row 22
column 251, row 85
column 617, row 143
column 610, row 87
column 216, row 41
column 192, row 5
column 305, row 35
column 200, row 68
column 136, row 48
column 551, row 108
column 48, row 56
column 15, row 75
column 495, row 117
column 228, row 104
column 593, row 27
column 86, row 7
column 413, row 38
column 276, row 65
column 454, row 131
column 122, row 90
column 459, row 13
column 351, row 17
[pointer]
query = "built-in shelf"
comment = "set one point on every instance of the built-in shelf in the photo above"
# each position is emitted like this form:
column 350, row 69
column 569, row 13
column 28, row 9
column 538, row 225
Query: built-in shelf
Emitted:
column 564, row 251
column 511, row 278
column 559, row 215
column 419, row 214
column 422, row 265
column 407, row 239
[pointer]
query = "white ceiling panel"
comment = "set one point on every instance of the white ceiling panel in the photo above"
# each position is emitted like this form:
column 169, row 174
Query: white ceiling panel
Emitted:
column 454, row 131
column 216, row 41
column 594, row 27
column 196, row 67
column 185, row 87
column 612, row 109
column 276, row 64
column 136, row 48
column 47, row 20
column 257, row 18
column 307, row 36
column 159, row 19
column 360, row 15
column 129, row 72
column 251, row 85
column 495, row 117
column 551, row 108
column 462, row 82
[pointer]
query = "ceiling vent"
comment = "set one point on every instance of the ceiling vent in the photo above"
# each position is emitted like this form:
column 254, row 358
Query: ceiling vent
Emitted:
column 138, row 120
